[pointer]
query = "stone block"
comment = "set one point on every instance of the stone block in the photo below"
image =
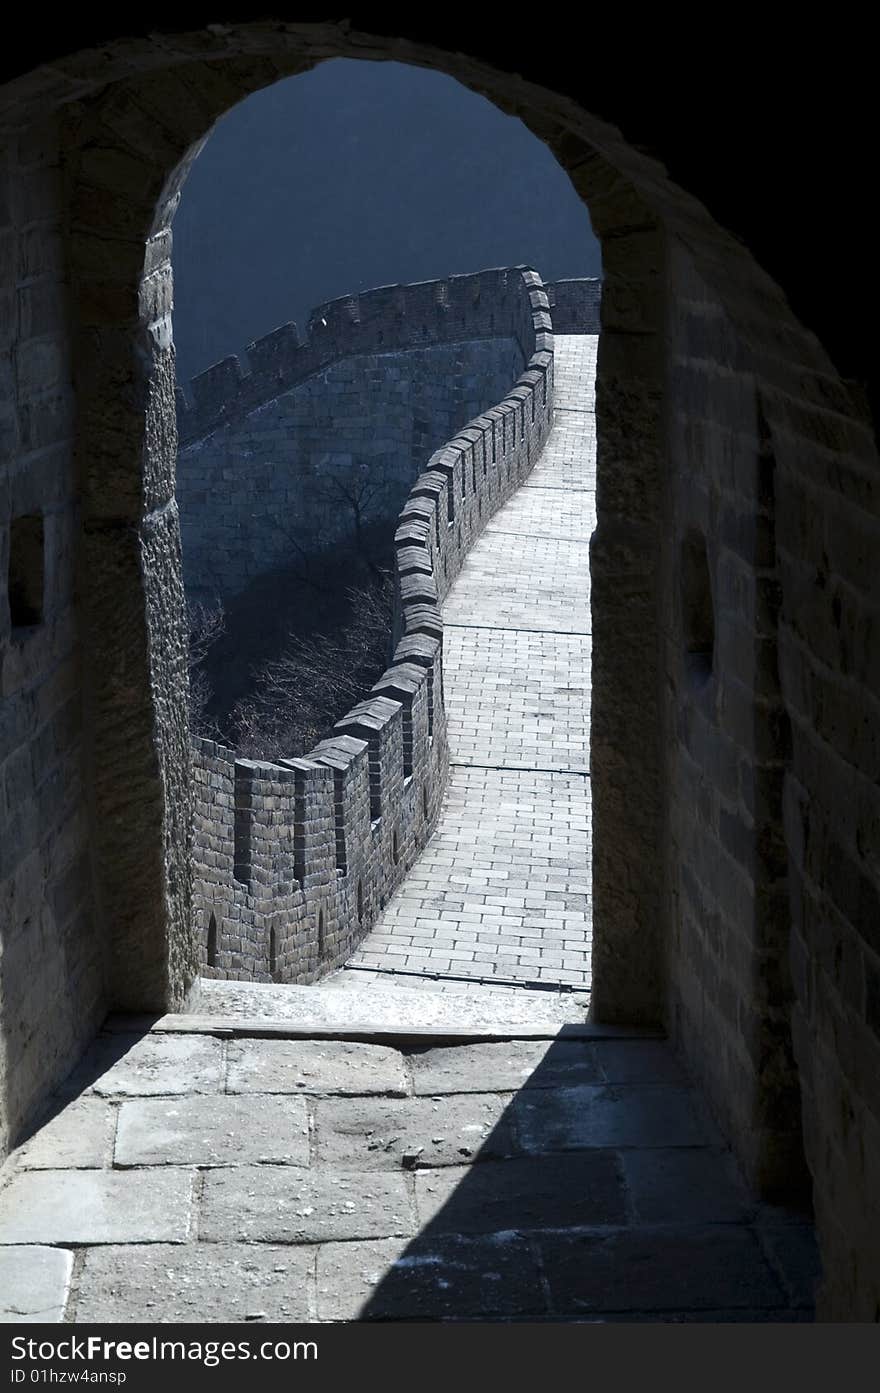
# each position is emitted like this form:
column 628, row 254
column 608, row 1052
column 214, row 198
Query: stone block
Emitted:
column 196, row 1283
column 490, row 1277
column 97, row 1206
column 536, row 1193
column 279, row 1204
column 34, row 1283
column 565, row 1119
column 503, row 1066
column 80, row 1135
column 213, row 1131
column 140, row 1066
column 314, row 1066
column 677, row 1270
column 412, row 1132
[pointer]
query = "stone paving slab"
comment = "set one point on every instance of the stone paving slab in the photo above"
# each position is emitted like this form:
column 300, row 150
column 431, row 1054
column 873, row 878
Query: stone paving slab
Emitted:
column 545, row 1192
column 487, row 1277
column 80, row 1134
column 639, row 1115
column 674, row 1269
column 203, row 1282
column 371, row 1134
column 96, row 1206
column 283, row 1204
column 151, row 1065
column 213, row 1131
column 314, row 1066
column 504, row 1067
column 34, row 1283
column 701, row 1182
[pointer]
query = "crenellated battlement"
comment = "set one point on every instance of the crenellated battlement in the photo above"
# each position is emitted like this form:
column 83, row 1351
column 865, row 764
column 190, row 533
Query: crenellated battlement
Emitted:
column 484, row 305
column 296, row 858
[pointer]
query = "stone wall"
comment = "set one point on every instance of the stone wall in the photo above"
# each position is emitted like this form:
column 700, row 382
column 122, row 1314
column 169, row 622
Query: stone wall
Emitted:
column 296, row 858
column 51, row 957
column 294, row 456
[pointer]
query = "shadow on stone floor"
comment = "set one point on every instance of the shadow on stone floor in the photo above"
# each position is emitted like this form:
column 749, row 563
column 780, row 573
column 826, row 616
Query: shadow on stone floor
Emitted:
column 603, row 1193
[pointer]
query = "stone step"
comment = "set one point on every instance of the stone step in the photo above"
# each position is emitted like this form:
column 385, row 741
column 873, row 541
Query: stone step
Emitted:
column 380, row 1011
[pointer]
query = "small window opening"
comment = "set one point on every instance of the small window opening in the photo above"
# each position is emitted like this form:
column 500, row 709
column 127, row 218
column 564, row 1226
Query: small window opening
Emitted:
column 212, row 942
column 360, row 901
column 273, row 955
column 697, row 609
column 395, row 848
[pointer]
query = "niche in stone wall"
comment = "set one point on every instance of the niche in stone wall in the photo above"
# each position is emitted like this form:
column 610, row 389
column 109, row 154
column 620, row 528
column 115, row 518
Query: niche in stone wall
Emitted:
column 697, row 609
column 26, row 569
column 211, row 952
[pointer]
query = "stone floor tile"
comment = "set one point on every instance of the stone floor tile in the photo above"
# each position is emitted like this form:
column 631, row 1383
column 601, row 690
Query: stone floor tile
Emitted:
column 314, row 1066
column 34, row 1283
column 79, row 1135
column 487, row 1277
column 639, row 1116
column 286, row 1204
column 198, row 1282
column 129, row 1066
column 639, row 1061
column 712, row 1268
column 504, row 1066
column 539, row 1192
column 97, row 1206
column 213, row 1131
column 685, row 1185
column 374, row 1135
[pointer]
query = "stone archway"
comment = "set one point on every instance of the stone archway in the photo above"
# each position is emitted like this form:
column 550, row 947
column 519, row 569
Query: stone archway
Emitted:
column 128, row 153
column 717, row 413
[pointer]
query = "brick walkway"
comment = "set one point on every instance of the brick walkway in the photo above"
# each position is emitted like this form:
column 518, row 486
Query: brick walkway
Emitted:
column 502, row 892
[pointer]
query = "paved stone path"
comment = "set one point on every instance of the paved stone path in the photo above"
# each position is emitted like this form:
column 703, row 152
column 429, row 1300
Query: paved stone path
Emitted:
column 185, row 1177
column 502, row 892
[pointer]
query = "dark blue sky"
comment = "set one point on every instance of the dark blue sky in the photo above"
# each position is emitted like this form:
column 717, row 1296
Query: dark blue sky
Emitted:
column 353, row 175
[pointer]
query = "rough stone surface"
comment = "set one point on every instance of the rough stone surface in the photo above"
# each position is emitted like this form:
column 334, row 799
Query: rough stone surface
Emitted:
column 314, row 1066
column 96, row 1206
column 196, row 1284
column 80, row 1134
column 211, row 1131
column 504, row 1067
column 34, row 1283
column 491, row 1277
column 272, row 1204
column 375, row 1135
column 120, row 1066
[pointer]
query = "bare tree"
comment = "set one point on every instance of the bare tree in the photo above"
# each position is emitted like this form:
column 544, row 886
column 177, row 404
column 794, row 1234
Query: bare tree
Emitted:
column 298, row 696
column 207, row 622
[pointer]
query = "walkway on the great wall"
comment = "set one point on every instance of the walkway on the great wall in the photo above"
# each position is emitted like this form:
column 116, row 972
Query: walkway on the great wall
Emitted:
column 253, row 1164
column 502, row 892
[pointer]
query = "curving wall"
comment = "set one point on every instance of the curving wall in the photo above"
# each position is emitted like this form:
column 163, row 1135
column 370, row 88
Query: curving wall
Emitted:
column 270, row 460
column 296, row 858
